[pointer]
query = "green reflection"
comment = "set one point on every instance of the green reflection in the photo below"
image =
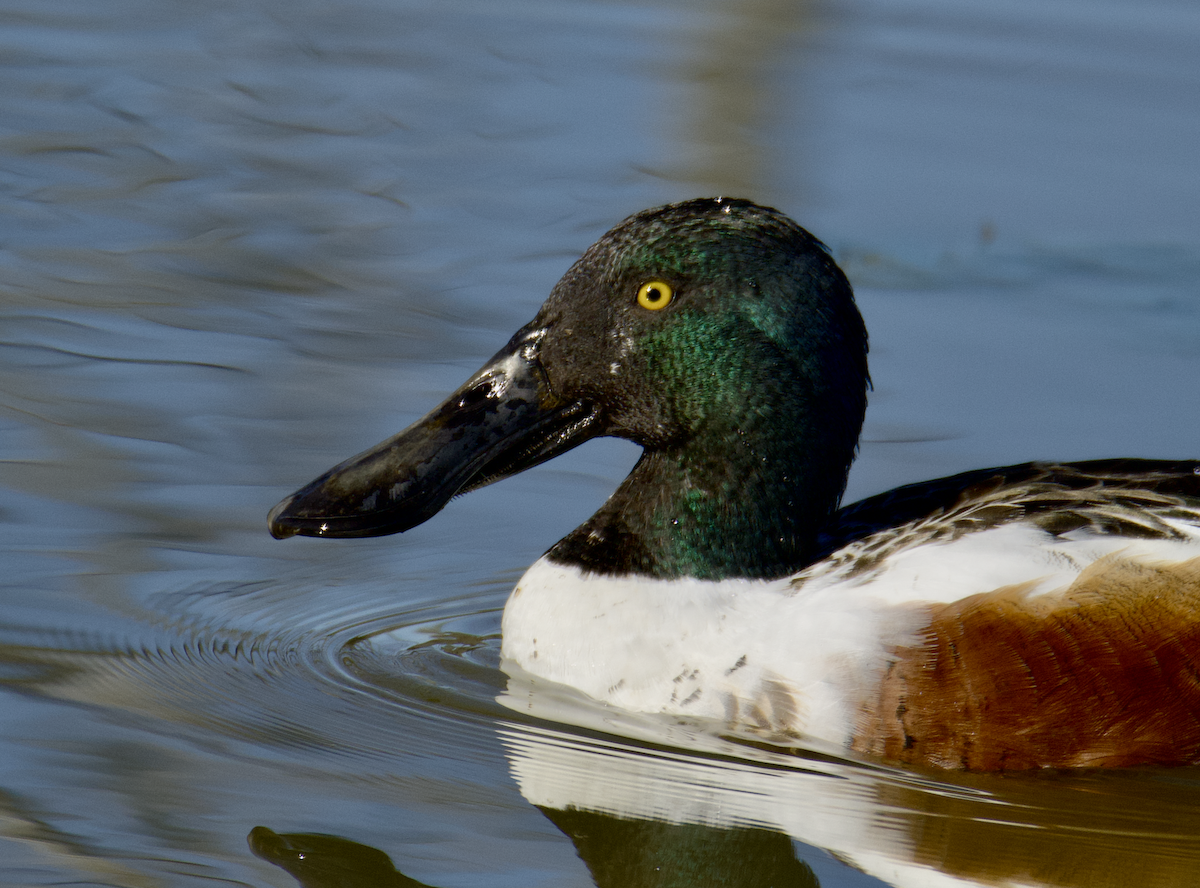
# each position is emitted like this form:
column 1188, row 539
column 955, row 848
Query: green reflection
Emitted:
column 618, row 853
column 321, row 861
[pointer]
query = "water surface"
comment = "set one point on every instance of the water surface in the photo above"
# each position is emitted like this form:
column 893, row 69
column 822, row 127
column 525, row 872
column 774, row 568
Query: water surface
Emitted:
column 240, row 242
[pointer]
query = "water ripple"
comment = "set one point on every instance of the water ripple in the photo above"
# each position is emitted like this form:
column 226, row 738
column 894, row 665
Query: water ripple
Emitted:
column 308, row 683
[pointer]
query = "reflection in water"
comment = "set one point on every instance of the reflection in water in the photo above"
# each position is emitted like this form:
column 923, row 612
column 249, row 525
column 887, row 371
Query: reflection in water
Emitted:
column 1066, row 830
column 618, row 854
column 656, row 854
column 644, row 818
column 319, row 861
column 732, row 69
column 401, row 706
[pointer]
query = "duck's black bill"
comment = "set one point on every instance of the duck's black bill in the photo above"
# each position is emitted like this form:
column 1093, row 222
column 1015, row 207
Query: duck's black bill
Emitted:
column 505, row 419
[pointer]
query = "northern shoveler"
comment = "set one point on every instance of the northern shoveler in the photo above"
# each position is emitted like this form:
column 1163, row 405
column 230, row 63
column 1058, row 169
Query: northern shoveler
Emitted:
column 1032, row 615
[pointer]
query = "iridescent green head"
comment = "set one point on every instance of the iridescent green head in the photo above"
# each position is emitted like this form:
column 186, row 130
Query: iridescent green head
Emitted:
column 746, row 386
column 717, row 334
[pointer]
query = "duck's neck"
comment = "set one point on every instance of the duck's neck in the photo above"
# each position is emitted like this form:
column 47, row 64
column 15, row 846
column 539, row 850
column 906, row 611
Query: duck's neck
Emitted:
column 740, row 501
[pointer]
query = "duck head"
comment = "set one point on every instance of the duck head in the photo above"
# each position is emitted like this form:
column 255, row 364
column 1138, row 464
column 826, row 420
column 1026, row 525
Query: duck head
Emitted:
column 717, row 334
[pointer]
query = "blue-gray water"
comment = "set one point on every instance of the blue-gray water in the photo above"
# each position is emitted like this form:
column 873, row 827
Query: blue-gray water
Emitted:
column 242, row 241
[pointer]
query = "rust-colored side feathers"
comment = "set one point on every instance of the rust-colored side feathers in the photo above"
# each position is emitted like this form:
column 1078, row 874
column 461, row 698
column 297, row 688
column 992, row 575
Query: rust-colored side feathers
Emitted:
column 1104, row 673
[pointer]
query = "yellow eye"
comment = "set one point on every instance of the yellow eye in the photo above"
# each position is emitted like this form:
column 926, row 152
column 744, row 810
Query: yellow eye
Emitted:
column 655, row 295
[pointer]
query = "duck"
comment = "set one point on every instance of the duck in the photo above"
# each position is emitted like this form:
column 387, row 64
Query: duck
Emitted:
column 1040, row 615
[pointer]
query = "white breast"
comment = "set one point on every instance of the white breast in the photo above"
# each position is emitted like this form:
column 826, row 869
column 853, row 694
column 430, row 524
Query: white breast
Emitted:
column 761, row 655
column 793, row 656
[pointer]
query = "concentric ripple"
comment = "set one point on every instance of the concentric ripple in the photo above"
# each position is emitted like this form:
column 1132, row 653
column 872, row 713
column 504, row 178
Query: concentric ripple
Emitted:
column 241, row 663
column 380, row 700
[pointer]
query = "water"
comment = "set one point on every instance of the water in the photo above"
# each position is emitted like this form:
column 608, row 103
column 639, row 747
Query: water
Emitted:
column 240, row 242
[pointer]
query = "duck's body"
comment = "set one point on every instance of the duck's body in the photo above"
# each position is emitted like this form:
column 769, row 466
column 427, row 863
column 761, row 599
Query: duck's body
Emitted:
column 1034, row 615
column 1047, row 616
